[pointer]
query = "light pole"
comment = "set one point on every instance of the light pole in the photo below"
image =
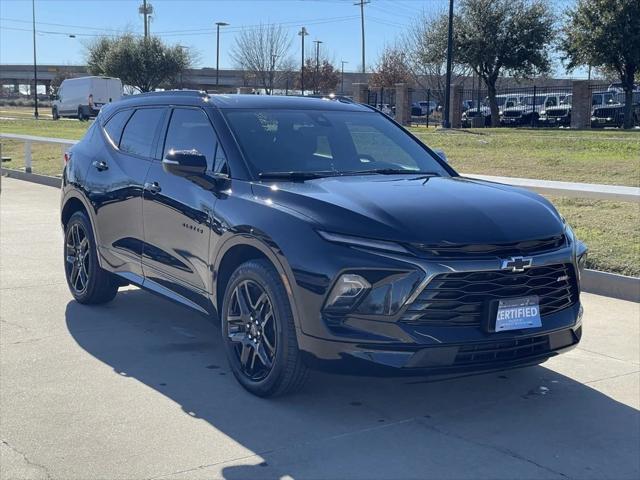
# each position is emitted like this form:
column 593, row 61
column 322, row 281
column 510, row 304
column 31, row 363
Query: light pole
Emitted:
column 272, row 74
column 447, row 92
column 342, row 77
column 35, row 64
column 218, row 25
column 317, row 79
column 303, row 33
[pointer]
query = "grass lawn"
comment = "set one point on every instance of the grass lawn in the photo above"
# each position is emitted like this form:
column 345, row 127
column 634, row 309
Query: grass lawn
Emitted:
column 610, row 229
column 603, row 156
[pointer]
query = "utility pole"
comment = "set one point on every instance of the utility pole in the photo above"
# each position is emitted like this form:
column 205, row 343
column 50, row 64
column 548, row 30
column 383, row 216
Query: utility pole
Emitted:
column 218, row 25
column 145, row 9
column 362, row 3
column 35, row 64
column 316, row 86
column 447, row 92
column 342, row 77
column 303, row 33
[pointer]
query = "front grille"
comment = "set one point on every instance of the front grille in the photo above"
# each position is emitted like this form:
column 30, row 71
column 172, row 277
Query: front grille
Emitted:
column 557, row 112
column 528, row 247
column 502, row 351
column 605, row 112
column 461, row 298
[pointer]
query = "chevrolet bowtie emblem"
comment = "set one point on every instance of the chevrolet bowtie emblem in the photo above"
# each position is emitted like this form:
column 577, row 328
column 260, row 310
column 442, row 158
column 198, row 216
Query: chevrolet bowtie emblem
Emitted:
column 517, row 264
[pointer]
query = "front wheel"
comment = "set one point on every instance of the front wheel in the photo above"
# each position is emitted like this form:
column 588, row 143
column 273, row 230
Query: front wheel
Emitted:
column 88, row 282
column 259, row 333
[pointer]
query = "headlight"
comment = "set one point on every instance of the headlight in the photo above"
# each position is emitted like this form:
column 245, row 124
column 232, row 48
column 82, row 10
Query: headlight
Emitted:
column 543, row 112
column 581, row 256
column 363, row 242
column 346, row 293
column 382, row 292
column 390, row 294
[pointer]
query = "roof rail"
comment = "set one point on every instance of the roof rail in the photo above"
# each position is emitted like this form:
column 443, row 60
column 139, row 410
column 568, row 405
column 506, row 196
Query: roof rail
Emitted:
column 181, row 93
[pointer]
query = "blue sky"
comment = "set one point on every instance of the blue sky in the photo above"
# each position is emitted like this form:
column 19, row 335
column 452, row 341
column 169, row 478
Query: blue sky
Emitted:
column 190, row 23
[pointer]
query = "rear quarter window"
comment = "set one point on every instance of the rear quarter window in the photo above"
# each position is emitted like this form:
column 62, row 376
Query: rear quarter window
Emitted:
column 139, row 133
column 114, row 126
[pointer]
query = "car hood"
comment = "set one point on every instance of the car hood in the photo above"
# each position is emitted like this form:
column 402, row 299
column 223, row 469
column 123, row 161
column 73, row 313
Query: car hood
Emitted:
column 417, row 210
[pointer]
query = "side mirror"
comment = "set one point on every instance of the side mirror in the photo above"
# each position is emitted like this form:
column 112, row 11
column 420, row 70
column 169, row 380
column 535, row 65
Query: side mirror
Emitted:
column 441, row 154
column 185, row 163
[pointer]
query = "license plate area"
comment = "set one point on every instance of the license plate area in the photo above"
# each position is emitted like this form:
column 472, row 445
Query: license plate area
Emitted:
column 513, row 314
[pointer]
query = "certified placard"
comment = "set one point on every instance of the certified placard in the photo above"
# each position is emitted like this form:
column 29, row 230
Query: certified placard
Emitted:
column 518, row 313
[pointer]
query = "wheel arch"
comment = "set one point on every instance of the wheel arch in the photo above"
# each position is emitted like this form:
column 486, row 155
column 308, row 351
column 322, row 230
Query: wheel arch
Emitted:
column 239, row 249
column 72, row 203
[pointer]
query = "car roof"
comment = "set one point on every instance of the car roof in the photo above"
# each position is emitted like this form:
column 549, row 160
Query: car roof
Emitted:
column 239, row 101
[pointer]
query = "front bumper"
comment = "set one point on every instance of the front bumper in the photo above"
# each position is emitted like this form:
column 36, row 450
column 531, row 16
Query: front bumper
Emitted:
column 554, row 121
column 392, row 346
column 497, row 351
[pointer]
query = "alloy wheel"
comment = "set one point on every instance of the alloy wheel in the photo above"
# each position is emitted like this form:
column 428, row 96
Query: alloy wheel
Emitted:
column 252, row 328
column 77, row 258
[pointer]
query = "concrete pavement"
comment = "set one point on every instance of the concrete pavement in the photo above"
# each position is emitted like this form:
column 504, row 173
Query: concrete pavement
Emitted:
column 140, row 388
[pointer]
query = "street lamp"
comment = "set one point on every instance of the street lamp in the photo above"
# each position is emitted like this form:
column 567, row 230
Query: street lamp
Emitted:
column 342, row 77
column 272, row 71
column 35, row 64
column 218, row 25
column 302, row 33
column 447, row 92
column 317, row 80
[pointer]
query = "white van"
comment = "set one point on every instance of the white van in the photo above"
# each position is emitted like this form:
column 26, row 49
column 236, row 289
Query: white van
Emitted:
column 83, row 97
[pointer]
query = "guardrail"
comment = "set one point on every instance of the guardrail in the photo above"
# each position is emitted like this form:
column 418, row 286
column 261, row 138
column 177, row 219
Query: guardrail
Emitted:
column 548, row 187
column 31, row 139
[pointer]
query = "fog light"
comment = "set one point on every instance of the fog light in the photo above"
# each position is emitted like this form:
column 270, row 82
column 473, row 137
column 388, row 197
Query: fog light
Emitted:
column 346, row 292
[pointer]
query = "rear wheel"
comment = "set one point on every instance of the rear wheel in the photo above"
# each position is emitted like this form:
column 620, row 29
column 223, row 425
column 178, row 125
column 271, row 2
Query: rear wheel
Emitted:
column 81, row 115
column 88, row 282
column 259, row 333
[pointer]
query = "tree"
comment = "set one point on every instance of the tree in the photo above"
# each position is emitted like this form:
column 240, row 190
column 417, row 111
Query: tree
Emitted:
column 325, row 80
column 425, row 44
column 503, row 36
column 605, row 34
column 262, row 52
column 145, row 63
column 391, row 69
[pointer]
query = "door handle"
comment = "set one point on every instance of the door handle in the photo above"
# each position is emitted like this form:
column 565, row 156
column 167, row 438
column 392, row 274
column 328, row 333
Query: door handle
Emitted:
column 153, row 187
column 100, row 165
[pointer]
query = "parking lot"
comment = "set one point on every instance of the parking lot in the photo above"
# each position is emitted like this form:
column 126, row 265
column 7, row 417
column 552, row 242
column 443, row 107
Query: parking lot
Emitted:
column 140, row 388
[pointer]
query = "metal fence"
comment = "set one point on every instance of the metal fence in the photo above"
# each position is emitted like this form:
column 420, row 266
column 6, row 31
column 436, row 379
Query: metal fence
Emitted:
column 427, row 106
column 384, row 99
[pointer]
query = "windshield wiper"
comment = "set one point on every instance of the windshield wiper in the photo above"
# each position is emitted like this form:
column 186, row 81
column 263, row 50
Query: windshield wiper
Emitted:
column 297, row 175
column 391, row 171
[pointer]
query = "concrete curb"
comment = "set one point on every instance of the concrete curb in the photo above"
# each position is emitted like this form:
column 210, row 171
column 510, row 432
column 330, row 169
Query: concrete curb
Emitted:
column 593, row 281
column 611, row 285
column 32, row 177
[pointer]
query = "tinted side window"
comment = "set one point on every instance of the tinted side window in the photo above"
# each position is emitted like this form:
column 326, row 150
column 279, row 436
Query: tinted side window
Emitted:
column 138, row 135
column 114, row 126
column 190, row 129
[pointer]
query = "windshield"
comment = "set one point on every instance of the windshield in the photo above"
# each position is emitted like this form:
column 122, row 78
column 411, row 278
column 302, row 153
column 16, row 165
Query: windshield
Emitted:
column 327, row 142
column 539, row 100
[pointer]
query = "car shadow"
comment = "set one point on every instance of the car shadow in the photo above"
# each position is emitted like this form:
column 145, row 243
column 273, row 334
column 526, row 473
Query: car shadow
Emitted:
column 533, row 416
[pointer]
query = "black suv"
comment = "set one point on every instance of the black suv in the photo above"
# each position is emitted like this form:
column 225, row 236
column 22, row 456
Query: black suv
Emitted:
column 321, row 233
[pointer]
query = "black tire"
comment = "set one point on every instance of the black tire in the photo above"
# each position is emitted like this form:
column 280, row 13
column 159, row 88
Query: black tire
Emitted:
column 286, row 372
column 81, row 115
column 54, row 113
column 88, row 282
